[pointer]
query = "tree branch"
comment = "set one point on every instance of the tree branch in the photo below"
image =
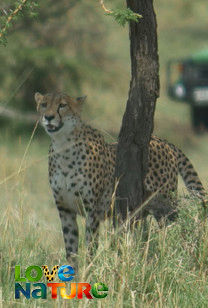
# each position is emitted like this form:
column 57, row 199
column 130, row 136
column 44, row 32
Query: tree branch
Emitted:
column 18, row 116
column 121, row 16
column 104, row 8
column 11, row 17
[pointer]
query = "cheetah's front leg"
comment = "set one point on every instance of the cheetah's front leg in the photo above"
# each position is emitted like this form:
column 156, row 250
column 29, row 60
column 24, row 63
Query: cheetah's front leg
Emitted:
column 92, row 224
column 70, row 232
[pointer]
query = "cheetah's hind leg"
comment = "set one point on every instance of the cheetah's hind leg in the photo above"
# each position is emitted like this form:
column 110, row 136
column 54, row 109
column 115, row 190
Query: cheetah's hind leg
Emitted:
column 164, row 209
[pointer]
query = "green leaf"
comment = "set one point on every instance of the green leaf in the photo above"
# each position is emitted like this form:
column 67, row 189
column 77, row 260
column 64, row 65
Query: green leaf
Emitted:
column 122, row 16
column 22, row 9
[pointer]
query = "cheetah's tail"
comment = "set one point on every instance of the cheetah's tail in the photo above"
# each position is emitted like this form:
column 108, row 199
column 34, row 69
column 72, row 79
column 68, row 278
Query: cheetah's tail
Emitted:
column 191, row 178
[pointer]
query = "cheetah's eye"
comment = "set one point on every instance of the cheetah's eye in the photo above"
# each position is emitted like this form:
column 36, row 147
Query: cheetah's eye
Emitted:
column 43, row 105
column 62, row 105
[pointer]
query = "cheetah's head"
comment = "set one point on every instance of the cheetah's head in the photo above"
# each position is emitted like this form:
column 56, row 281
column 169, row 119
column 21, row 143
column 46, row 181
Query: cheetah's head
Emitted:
column 59, row 112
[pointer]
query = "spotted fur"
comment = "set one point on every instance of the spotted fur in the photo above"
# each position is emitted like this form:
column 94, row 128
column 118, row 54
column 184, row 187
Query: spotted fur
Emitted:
column 50, row 276
column 81, row 170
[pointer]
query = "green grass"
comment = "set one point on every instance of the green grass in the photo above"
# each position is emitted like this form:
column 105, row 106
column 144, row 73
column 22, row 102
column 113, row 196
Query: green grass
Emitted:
column 163, row 268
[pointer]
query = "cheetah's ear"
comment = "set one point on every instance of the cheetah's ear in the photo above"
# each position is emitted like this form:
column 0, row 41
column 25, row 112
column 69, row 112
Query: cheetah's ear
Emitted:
column 38, row 99
column 80, row 100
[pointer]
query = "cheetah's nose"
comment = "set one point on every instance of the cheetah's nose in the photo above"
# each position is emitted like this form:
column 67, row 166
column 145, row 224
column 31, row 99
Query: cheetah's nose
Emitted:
column 49, row 118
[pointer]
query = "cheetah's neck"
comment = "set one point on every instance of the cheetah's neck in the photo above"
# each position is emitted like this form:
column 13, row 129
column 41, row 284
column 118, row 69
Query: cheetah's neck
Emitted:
column 67, row 136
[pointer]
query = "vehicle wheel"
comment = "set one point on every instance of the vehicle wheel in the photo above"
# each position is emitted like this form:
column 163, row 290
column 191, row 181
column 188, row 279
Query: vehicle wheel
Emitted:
column 196, row 118
column 205, row 117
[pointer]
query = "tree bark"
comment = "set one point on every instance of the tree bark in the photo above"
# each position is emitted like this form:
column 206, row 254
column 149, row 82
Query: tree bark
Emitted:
column 137, row 124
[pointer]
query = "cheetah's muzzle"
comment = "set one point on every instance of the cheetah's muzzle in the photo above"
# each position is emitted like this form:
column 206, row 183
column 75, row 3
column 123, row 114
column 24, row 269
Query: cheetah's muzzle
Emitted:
column 52, row 128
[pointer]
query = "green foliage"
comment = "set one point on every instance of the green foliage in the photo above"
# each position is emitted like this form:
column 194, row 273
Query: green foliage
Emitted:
column 12, row 13
column 122, row 16
column 53, row 53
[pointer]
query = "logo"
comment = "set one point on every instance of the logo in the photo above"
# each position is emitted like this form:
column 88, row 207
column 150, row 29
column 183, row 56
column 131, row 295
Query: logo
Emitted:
column 29, row 286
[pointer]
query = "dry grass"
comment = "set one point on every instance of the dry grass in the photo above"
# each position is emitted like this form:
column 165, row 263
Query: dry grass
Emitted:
column 142, row 268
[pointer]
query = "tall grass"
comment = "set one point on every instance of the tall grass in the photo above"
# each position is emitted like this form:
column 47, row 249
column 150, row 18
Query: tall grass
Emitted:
column 142, row 268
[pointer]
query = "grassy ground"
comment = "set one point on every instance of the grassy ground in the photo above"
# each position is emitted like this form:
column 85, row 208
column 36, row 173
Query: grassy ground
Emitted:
column 163, row 268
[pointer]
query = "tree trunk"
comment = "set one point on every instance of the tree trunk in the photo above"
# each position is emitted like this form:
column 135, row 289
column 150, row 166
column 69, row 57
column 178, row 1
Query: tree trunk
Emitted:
column 137, row 124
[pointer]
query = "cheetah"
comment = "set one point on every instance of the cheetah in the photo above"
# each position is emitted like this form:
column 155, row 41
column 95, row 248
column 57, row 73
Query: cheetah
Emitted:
column 82, row 165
